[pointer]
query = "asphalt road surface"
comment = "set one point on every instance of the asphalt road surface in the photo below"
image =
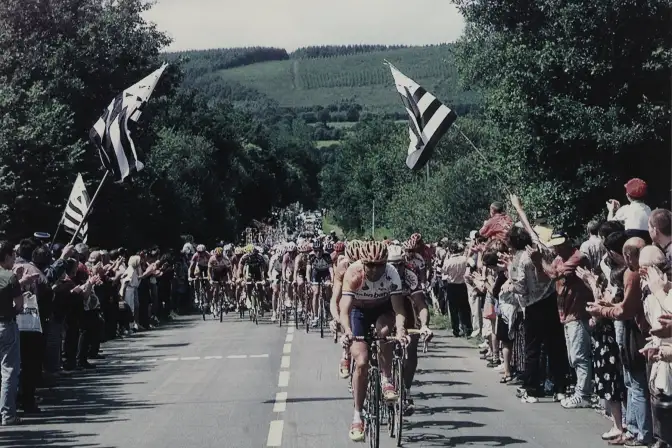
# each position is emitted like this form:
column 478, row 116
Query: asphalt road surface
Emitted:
column 236, row 385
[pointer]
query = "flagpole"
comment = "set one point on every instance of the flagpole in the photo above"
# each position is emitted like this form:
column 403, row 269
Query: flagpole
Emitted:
column 373, row 221
column 53, row 239
column 487, row 162
column 88, row 210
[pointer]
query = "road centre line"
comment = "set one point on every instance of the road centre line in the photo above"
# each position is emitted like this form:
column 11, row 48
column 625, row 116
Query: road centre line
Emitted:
column 283, row 379
column 284, row 362
column 280, row 402
column 289, row 338
column 275, row 433
column 287, row 349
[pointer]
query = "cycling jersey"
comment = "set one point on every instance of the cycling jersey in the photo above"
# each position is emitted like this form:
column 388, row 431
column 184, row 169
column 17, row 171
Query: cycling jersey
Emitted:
column 356, row 284
column 320, row 263
column 201, row 260
column 410, row 284
column 301, row 261
column 417, row 263
column 255, row 265
column 275, row 269
column 219, row 267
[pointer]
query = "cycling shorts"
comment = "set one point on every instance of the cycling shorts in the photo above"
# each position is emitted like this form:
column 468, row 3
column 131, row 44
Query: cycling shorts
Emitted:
column 200, row 272
column 254, row 277
column 218, row 276
column 361, row 319
column 320, row 277
column 412, row 321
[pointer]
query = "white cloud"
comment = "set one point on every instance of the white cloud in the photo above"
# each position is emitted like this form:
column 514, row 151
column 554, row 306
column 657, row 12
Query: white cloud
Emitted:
column 195, row 24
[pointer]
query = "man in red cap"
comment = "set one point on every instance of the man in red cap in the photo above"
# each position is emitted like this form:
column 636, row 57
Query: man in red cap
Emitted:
column 635, row 215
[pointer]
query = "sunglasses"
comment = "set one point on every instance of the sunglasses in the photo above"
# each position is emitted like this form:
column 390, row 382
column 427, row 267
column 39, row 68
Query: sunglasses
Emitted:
column 370, row 264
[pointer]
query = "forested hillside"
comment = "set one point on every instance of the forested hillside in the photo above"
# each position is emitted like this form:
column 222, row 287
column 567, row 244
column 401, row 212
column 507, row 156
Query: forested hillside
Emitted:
column 323, row 76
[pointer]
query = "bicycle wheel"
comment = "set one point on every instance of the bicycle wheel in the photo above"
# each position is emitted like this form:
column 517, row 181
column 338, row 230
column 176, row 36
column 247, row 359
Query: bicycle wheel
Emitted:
column 399, row 405
column 373, row 408
column 202, row 300
column 295, row 307
column 221, row 305
column 321, row 311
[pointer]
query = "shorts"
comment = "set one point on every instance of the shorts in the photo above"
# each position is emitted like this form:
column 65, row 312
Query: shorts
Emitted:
column 254, row 277
column 200, row 272
column 320, row 277
column 276, row 276
column 502, row 330
column 218, row 276
column 412, row 321
column 361, row 319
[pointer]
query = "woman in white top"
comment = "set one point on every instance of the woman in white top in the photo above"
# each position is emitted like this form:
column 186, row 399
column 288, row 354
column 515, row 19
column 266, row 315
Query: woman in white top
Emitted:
column 635, row 215
column 129, row 288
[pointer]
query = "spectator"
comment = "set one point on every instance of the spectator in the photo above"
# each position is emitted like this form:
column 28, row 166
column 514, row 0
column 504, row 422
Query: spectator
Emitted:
column 592, row 248
column 573, row 295
column 11, row 303
column 635, row 216
column 660, row 230
column 454, row 270
column 499, row 223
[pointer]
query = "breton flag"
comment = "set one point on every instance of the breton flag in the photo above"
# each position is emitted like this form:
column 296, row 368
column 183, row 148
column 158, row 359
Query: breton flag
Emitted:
column 429, row 119
column 78, row 204
column 111, row 135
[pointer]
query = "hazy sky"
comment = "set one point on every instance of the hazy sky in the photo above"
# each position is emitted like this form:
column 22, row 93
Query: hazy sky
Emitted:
column 196, row 24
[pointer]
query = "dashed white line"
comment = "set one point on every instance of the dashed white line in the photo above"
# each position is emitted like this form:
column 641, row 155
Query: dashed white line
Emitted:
column 236, row 357
column 290, row 330
column 171, row 359
column 280, row 402
column 287, row 349
column 284, row 363
column 212, row 357
column 190, row 358
column 283, row 379
column 259, row 356
column 275, row 433
column 289, row 338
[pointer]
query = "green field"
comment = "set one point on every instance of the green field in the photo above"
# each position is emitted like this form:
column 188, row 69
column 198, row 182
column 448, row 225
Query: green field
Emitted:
column 362, row 78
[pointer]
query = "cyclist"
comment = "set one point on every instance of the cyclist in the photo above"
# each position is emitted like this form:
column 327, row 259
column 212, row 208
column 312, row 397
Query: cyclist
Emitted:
column 372, row 294
column 338, row 253
column 351, row 255
column 253, row 267
column 219, row 270
column 198, row 268
column 300, row 264
column 417, row 315
column 288, row 269
column 275, row 275
column 320, row 269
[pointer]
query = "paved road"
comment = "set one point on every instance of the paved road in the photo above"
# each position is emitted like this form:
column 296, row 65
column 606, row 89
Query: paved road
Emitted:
column 233, row 385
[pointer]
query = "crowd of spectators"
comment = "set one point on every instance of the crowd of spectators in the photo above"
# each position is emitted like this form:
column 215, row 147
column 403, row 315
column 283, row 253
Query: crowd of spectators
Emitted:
column 587, row 325
column 59, row 303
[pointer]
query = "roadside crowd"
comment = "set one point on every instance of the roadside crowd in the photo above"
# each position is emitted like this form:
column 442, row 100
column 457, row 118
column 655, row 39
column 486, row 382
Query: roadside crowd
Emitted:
column 59, row 303
column 588, row 324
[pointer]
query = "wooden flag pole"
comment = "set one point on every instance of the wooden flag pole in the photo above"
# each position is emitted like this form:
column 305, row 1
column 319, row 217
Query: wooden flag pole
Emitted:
column 480, row 153
column 88, row 210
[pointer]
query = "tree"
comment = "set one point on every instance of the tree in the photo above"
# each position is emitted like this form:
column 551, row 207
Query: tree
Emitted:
column 580, row 92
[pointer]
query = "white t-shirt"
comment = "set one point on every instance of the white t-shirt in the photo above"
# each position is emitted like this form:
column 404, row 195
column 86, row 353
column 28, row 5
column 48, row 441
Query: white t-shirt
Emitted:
column 635, row 216
column 372, row 292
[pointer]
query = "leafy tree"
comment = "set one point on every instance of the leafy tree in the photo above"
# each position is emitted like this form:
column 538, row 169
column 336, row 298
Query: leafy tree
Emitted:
column 580, row 92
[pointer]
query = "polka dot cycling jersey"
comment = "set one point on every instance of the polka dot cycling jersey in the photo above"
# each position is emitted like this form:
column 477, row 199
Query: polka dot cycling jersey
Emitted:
column 356, row 285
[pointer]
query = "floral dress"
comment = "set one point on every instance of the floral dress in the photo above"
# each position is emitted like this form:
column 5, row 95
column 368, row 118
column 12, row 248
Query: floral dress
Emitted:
column 607, row 367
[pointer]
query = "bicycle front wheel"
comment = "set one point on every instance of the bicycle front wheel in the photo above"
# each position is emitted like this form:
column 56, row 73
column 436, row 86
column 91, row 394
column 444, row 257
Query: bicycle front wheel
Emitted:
column 399, row 405
column 373, row 399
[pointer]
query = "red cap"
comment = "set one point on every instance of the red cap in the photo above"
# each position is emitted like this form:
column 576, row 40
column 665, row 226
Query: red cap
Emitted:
column 635, row 188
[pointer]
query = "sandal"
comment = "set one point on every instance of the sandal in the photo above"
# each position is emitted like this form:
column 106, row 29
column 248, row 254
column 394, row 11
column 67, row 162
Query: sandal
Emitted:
column 506, row 379
column 357, row 432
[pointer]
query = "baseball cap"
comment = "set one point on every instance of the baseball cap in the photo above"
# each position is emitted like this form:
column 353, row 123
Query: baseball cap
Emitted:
column 635, row 188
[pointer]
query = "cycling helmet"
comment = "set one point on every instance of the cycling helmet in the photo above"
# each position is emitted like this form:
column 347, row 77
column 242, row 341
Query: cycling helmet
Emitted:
column 228, row 248
column 238, row 251
column 352, row 250
column 317, row 245
column 417, row 238
column 305, row 248
column 200, row 248
column 219, row 251
column 291, row 247
column 339, row 247
column 395, row 253
column 373, row 252
column 328, row 246
column 248, row 249
column 411, row 244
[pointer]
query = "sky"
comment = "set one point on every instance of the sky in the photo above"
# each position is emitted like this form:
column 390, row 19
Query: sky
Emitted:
column 290, row 24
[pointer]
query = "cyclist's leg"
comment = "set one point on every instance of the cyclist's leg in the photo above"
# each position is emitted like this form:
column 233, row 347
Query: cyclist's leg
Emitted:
column 360, row 322
column 275, row 287
column 315, row 282
column 384, row 327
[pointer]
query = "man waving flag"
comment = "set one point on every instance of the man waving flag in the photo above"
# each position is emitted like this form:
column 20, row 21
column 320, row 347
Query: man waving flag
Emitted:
column 111, row 135
column 429, row 119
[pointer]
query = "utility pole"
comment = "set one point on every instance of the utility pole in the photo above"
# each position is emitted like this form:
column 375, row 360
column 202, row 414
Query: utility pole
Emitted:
column 373, row 221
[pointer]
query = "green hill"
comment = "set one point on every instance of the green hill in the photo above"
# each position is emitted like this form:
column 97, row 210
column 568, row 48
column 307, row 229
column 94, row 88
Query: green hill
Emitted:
column 306, row 79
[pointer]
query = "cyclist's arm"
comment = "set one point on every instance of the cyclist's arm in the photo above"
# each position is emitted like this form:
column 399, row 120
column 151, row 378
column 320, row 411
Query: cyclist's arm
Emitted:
column 297, row 263
column 399, row 310
column 192, row 268
column 285, row 265
column 211, row 272
column 331, row 272
column 335, row 298
column 309, row 270
column 346, row 306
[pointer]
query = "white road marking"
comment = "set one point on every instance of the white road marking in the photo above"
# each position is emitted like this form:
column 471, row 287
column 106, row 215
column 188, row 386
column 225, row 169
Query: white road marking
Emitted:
column 290, row 330
column 259, row 356
column 275, row 433
column 284, row 363
column 236, row 357
column 171, row 359
column 212, row 357
column 287, row 349
column 289, row 338
column 130, row 361
column 280, row 402
column 283, row 380
column 151, row 360
column 190, row 358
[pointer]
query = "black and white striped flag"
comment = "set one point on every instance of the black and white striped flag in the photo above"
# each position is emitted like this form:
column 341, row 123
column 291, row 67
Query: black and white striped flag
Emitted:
column 111, row 135
column 429, row 119
column 78, row 204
